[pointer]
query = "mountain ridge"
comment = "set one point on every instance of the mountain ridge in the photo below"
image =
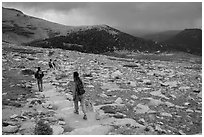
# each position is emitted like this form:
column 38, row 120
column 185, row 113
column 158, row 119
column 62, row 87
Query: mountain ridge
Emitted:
column 19, row 28
column 188, row 40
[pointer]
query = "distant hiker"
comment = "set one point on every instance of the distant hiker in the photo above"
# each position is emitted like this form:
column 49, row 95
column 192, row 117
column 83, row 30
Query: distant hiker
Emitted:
column 39, row 75
column 50, row 64
column 78, row 94
column 54, row 64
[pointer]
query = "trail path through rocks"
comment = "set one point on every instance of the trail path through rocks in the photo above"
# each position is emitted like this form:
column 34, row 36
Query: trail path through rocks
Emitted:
column 64, row 109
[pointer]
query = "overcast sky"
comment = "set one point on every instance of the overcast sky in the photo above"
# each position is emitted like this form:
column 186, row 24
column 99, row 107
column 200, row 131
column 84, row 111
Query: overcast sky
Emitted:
column 131, row 16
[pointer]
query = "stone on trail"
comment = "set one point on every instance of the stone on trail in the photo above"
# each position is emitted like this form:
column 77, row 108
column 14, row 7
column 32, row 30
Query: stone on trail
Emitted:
column 57, row 129
column 10, row 129
column 92, row 130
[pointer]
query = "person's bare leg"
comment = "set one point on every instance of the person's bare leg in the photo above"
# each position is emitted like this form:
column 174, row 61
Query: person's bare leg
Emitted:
column 38, row 82
column 82, row 101
column 41, row 84
column 76, row 107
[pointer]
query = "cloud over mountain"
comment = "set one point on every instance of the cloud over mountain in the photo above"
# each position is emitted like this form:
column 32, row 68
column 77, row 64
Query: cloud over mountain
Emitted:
column 137, row 15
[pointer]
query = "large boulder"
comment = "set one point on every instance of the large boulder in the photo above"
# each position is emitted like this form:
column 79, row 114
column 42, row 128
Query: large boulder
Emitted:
column 10, row 129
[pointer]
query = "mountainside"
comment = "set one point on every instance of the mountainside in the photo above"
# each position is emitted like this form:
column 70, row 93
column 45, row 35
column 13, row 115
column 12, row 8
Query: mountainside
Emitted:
column 161, row 36
column 97, row 39
column 189, row 40
column 19, row 28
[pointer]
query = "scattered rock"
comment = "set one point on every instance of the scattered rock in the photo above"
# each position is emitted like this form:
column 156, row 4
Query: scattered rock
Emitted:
column 103, row 95
column 134, row 97
column 171, row 84
column 119, row 100
column 100, row 115
column 10, row 129
column 117, row 74
column 166, row 114
column 57, row 129
column 27, row 71
column 184, row 88
column 159, row 130
column 189, row 110
column 14, row 116
column 181, row 132
column 61, row 123
column 127, row 121
column 92, row 130
column 110, row 86
column 140, row 108
column 199, row 95
column 159, row 94
column 147, row 82
column 133, row 84
column 90, row 86
column 141, row 121
column 196, row 90
column 119, row 115
column 69, row 97
column 6, row 123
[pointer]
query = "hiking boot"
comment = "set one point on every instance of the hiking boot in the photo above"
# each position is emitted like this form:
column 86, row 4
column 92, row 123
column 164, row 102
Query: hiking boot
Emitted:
column 76, row 112
column 85, row 117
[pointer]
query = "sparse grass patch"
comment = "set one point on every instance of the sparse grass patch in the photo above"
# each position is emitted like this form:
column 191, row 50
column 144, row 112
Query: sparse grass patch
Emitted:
column 42, row 128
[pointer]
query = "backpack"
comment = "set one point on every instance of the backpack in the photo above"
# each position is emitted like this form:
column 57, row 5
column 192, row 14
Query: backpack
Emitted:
column 39, row 74
column 80, row 87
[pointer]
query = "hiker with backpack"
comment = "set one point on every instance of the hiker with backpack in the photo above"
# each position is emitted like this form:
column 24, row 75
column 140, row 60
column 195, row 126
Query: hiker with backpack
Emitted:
column 50, row 64
column 78, row 95
column 39, row 75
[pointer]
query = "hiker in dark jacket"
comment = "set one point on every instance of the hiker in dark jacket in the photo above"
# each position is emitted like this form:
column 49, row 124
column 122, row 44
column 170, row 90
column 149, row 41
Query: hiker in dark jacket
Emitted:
column 78, row 95
column 50, row 64
column 39, row 75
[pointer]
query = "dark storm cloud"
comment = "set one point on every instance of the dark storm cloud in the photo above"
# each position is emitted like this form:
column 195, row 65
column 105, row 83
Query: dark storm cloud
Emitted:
column 59, row 6
column 137, row 15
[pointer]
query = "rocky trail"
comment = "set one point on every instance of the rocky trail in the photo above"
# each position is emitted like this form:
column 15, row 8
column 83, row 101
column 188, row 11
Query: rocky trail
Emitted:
column 123, row 95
